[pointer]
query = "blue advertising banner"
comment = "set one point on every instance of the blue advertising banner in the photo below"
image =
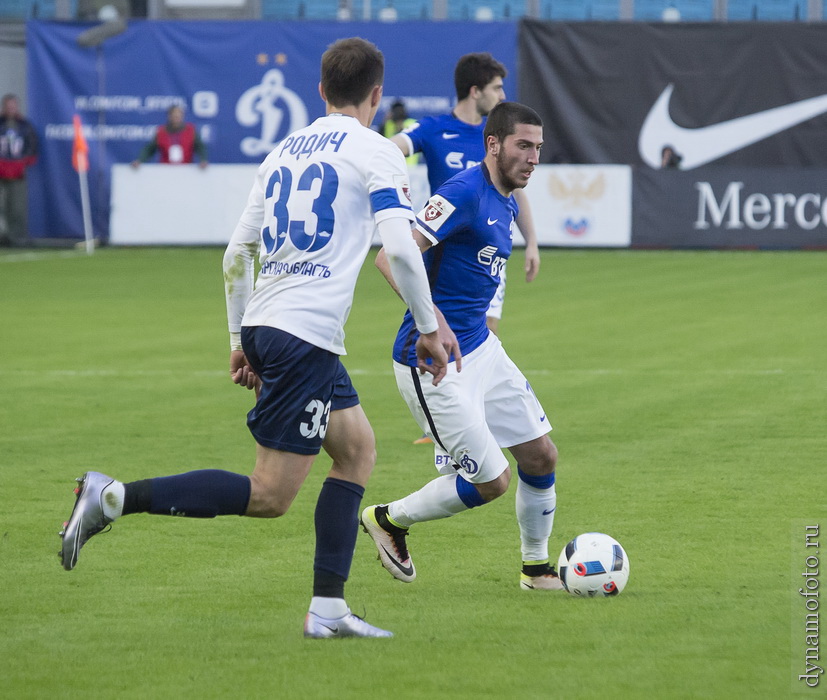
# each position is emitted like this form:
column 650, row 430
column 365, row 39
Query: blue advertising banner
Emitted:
column 245, row 86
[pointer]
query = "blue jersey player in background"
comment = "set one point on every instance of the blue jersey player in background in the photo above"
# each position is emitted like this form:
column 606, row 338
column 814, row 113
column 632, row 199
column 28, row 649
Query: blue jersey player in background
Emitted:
column 450, row 143
column 316, row 201
column 465, row 233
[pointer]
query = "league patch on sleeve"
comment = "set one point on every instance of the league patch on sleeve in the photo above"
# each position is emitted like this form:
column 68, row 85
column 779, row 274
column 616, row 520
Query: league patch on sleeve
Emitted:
column 436, row 212
column 403, row 187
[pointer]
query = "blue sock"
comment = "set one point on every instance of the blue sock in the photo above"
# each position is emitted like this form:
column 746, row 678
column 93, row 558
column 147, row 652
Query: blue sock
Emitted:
column 468, row 493
column 201, row 494
column 544, row 481
column 337, row 521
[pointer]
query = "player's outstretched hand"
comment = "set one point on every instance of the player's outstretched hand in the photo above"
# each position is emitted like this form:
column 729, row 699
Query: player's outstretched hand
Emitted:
column 532, row 262
column 431, row 356
column 241, row 372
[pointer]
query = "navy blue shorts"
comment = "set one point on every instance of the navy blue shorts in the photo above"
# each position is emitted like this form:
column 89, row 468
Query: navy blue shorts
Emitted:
column 300, row 385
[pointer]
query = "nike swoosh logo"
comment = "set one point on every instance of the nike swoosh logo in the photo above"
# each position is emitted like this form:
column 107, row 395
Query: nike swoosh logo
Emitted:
column 335, row 630
column 407, row 570
column 549, row 512
column 450, row 136
column 491, row 223
column 543, row 418
column 708, row 143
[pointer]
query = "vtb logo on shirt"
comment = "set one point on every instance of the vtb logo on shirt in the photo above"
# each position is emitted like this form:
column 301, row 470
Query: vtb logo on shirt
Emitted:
column 456, row 160
column 487, row 257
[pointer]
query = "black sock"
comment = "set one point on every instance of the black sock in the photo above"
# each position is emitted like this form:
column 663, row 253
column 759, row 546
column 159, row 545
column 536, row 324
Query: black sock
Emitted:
column 536, row 569
column 137, row 496
column 337, row 521
column 199, row 494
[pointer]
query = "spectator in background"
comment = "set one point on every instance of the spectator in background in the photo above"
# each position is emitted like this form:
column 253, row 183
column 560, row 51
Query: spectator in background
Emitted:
column 18, row 150
column 177, row 141
column 670, row 159
column 396, row 121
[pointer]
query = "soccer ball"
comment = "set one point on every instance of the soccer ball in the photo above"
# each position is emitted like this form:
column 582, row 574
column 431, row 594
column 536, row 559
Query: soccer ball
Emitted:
column 593, row 564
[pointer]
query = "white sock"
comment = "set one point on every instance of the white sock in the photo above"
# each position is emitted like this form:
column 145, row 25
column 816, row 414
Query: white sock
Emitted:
column 437, row 499
column 113, row 500
column 329, row 608
column 535, row 527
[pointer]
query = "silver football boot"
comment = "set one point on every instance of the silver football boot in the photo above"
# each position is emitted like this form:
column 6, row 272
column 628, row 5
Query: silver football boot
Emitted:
column 316, row 627
column 87, row 517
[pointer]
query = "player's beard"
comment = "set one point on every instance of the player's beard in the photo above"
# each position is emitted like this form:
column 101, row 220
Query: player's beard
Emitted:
column 505, row 166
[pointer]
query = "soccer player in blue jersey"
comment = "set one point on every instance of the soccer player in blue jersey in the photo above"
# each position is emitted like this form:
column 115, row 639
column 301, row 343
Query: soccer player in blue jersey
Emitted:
column 450, row 143
column 465, row 234
column 310, row 218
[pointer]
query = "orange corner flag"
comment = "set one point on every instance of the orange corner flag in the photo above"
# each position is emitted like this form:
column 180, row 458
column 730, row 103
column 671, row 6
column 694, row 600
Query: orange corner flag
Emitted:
column 80, row 149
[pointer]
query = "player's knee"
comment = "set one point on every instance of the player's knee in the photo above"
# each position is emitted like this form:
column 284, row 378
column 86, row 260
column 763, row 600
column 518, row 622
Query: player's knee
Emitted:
column 266, row 501
column 268, row 507
column 351, row 444
column 496, row 488
column 355, row 461
column 552, row 456
column 541, row 460
column 273, row 510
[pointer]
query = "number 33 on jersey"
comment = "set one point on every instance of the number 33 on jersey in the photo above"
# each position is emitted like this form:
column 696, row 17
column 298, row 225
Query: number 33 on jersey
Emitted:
column 312, row 210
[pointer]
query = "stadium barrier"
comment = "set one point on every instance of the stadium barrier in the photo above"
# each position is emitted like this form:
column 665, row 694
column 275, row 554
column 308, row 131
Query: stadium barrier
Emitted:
column 573, row 206
column 582, row 206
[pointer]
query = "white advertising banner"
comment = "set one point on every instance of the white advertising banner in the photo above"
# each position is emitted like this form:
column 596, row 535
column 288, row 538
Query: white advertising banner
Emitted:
column 582, row 205
column 572, row 205
column 178, row 204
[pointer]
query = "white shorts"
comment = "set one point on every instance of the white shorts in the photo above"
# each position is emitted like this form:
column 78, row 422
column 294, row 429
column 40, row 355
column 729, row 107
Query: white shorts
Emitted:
column 495, row 309
column 475, row 413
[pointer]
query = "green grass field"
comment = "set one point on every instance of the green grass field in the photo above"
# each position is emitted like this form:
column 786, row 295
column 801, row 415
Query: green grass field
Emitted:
column 687, row 393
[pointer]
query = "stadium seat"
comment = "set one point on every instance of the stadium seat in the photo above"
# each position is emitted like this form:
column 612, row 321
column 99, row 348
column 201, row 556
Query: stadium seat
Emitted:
column 782, row 10
column 321, row 9
column 329, row 9
column 282, row 9
column 690, row 10
column 466, row 10
column 27, row 9
column 412, row 9
column 580, row 10
column 767, row 10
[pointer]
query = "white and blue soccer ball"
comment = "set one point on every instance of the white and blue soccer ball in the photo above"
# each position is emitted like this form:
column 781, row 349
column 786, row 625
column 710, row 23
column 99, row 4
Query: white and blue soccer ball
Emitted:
column 593, row 564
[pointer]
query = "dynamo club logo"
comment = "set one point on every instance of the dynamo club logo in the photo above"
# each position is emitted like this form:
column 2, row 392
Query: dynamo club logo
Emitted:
column 275, row 107
column 468, row 464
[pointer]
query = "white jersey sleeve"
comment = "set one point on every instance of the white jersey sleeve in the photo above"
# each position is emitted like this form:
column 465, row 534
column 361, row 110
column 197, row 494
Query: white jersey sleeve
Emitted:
column 239, row 259
column 408, row 271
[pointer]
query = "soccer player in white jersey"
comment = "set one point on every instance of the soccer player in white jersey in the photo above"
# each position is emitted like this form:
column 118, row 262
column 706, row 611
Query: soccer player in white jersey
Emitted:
column 465, row 234
column 450, row 143
column 310, row 218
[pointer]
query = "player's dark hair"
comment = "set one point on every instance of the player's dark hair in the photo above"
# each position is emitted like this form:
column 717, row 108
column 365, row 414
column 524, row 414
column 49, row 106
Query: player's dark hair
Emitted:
column 476, row 69
column 351, row 68
column 503, row 120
